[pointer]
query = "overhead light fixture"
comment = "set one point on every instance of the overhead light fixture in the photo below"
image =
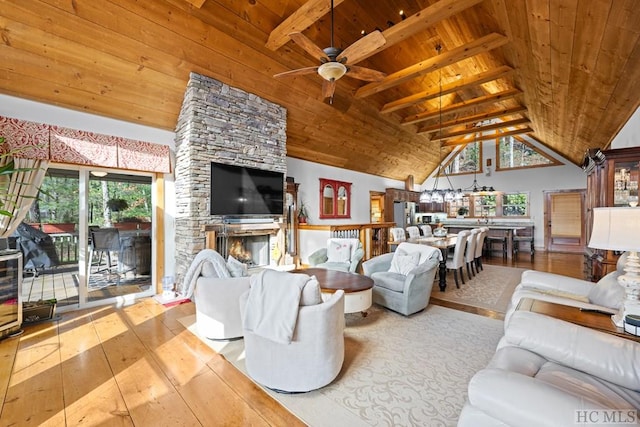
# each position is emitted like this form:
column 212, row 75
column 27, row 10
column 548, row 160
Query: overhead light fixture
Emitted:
column 98, row 173
column 332, row 70
column 475, row 188
column 449, row 194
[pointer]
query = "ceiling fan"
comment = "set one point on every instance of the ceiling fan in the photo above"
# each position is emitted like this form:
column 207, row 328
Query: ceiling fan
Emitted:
column 335, row 62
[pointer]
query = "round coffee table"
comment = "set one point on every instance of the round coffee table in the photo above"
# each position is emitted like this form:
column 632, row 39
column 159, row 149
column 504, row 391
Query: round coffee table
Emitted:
column 356, row 287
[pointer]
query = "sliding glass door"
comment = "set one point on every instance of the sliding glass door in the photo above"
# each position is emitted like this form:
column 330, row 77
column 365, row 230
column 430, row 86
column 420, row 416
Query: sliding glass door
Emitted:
column 89, row 240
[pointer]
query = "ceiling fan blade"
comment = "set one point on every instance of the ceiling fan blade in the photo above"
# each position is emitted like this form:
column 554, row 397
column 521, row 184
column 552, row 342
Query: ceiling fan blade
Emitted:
column 367, row 74
column 362, row 48
column 328, row 88
column 310, row 47
column 298, row 72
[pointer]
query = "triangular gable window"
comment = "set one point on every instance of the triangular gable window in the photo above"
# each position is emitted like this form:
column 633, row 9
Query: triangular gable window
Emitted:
column 467, row 159
column 516, row 153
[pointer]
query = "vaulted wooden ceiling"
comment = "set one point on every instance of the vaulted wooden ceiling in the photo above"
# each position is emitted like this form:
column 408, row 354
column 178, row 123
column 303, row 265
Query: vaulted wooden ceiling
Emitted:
column 565, row 72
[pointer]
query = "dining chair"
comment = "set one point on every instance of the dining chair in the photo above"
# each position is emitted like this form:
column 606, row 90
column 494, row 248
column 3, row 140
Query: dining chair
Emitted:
column 426, row 230
column 413, row 232
column 457, row 262
column 398, row 234
column 470, row 252
column 479, row 247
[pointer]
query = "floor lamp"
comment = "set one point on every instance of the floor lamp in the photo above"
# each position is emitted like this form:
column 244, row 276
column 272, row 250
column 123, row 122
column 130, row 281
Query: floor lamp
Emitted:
column 618, row 229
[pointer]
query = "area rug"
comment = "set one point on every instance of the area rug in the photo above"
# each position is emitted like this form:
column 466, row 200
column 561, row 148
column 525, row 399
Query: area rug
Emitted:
column 398, row 370
column 490, row 289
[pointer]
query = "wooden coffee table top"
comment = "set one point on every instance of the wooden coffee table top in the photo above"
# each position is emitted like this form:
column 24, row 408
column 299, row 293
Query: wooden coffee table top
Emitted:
column 332, row 280
column 590, row 319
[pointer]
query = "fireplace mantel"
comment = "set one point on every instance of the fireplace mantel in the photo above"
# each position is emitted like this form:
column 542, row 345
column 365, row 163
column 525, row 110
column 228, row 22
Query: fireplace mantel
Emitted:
column 243, row 229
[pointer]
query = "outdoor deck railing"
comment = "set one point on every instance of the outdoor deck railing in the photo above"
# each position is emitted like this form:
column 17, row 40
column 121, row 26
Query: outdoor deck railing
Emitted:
column 66, row 245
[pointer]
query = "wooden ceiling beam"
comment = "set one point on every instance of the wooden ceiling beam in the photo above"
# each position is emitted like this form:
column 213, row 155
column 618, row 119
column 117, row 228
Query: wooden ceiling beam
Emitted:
column 427, row 17
column 298, row 21
column 477, row 46
column 488, row 137
column 493, row 126
column 196, row 3
column 462, row 106
column 474, row 119
column 464, row 83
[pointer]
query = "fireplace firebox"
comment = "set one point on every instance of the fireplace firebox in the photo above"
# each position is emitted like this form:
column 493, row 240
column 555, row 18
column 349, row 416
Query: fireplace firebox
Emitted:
column 249, row 243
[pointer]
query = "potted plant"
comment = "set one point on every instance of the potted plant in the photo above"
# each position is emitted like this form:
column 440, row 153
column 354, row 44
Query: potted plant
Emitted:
column 117, row 205
column 302, row 213
column 462, row 211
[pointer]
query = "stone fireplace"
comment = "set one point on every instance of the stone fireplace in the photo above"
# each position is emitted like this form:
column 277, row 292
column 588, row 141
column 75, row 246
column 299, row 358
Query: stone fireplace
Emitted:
column 223, row 124
column 250, row 243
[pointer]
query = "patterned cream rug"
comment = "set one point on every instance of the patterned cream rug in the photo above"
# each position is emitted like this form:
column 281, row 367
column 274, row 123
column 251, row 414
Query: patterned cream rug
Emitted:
column 490, row 289
column 398, row 371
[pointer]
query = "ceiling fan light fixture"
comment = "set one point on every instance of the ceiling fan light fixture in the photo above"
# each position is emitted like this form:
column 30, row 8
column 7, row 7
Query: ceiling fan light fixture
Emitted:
column 332, row 71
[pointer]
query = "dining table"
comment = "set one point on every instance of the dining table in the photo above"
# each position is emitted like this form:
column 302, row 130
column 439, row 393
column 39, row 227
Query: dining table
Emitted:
column 444, row 244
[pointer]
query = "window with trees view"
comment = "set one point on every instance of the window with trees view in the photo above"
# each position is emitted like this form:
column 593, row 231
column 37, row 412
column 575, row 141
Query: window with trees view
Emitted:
column 516, row 153
column 492, row 205
column 467, row 160
column 114, row 198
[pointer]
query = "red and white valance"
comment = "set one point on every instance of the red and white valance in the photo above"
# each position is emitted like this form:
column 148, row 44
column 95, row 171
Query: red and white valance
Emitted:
column 59, row 144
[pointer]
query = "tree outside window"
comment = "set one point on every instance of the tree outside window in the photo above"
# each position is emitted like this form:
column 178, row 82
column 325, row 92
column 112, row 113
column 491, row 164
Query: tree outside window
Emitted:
column 515, row 204
column 467, row 160
column 516, row 153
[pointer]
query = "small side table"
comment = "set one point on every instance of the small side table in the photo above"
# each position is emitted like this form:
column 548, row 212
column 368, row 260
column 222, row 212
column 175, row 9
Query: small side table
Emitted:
column 590, row 319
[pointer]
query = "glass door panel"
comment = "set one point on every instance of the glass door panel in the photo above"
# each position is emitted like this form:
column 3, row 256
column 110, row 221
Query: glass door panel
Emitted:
column 48, row 239
column 62, row 261
column 119, row 230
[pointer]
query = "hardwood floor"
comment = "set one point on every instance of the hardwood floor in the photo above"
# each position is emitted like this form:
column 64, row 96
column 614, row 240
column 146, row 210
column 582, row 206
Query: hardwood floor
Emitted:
column 138, row 366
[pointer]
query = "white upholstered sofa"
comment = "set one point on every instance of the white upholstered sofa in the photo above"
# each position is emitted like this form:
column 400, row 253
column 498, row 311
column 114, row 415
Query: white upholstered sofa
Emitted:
column 547, row 372
column 606, row 295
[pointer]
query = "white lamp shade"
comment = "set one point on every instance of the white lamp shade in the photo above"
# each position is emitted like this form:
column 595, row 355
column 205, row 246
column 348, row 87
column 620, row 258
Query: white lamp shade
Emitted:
column 332, row 70
column 616, row 229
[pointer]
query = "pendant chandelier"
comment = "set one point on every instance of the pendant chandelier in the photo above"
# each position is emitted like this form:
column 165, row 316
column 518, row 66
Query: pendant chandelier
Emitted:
column 448, row 194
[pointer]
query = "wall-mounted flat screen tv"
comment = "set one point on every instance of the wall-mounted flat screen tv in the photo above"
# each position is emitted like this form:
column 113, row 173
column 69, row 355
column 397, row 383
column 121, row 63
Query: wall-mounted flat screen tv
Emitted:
column 240, row 190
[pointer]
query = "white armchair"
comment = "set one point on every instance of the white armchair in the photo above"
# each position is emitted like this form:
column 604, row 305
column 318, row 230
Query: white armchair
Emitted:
column 216, row 286
column 340, row 254
column 314, row 356
column 402, row 280
column 547, row 372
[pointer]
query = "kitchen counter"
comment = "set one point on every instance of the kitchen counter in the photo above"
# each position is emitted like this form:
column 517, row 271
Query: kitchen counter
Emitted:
column 498, row 229
column 491, row 224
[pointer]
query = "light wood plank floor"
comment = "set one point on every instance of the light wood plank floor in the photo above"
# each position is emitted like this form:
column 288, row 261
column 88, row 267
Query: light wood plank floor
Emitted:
column 138, row 366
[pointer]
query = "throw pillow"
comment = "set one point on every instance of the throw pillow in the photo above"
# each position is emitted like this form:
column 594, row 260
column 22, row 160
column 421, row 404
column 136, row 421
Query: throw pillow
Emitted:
column 403, row 263
column 608, row 292
column 237, row 268
column 338, row 251
column 208, row 270
column 311, row 292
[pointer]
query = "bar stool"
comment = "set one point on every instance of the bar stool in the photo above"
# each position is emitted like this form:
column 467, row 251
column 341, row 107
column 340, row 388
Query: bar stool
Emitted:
column 492, row 240
column 524, row 237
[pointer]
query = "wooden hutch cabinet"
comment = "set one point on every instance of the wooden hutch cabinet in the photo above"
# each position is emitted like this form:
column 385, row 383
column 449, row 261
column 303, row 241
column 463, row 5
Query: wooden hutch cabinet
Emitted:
column 612, row 180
